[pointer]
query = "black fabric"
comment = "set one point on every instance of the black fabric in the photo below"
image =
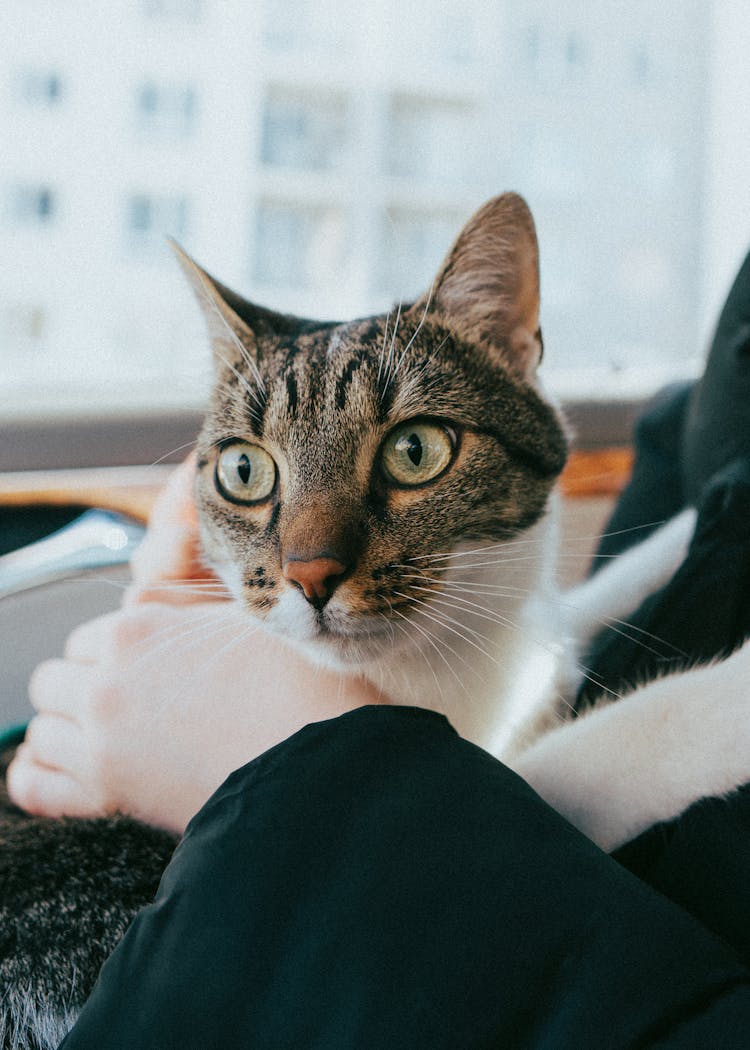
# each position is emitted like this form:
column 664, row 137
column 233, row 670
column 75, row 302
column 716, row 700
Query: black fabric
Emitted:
column 704, row 610
column 22, row 525
column 376, row 881
column 655, row 492
column 717, row 423
column 693, row 446
column 701, row 860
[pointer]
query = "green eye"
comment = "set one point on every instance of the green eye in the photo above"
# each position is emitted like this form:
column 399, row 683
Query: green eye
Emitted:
column 245, row 473
column 417, row 452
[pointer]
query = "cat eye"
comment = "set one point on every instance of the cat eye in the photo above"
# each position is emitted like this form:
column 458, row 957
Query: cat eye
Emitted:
column 245, row 473
column 415, row 453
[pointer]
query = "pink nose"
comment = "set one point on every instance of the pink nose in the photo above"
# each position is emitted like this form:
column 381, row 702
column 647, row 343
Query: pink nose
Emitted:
column 316, row 578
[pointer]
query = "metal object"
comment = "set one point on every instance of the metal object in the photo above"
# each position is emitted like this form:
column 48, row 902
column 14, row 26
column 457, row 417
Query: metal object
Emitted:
column 95, row 540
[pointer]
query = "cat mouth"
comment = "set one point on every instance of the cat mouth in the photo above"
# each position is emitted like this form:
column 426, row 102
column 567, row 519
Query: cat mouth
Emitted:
column 331, row 635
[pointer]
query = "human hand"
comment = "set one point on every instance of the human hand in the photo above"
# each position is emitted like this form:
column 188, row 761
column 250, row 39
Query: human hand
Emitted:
column 152, row 706
column 167, row 566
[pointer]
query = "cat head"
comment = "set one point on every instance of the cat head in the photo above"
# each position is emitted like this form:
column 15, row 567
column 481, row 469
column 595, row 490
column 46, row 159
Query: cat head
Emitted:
column 337, row 461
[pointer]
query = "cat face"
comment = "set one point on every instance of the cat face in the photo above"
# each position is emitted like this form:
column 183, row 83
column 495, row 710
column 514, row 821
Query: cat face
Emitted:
column 337, row 460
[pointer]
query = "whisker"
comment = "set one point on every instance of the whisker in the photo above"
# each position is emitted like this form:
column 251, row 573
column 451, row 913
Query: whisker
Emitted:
column 241, row 380
column 437, row 649
column 512, row 544
column 244, row 353
column 457, row 627
column 180, row 448
column 389, row 359
column 420, row 650
column 173, row 632
column 499, row 589
column 418, row 329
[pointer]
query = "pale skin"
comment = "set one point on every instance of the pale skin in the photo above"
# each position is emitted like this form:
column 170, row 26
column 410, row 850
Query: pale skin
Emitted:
column 151, row 707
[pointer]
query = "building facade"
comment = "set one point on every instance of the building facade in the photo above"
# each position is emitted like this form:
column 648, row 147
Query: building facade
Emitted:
column 320, row 158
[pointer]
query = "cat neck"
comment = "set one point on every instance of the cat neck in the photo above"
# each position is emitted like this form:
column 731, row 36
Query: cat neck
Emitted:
column 483, row 653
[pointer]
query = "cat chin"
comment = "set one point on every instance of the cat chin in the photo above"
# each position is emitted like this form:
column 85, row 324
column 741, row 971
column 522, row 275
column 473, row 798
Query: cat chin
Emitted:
column 336, row 640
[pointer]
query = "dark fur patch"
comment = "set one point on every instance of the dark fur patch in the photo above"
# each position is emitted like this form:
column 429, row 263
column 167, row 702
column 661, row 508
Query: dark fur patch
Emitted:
column 344, row 380
column 291, row 392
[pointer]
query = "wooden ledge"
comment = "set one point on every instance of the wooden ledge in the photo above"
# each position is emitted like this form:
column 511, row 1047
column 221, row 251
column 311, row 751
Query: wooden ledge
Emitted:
column 604, row 472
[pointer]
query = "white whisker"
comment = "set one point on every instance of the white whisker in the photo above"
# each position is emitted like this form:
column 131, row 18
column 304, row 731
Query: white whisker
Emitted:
column 455, row 626
column 417, row 330
column 425, row 634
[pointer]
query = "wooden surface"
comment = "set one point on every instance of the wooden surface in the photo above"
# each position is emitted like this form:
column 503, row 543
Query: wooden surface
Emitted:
column 604, row 472
column 132, row 490
column 129, row 490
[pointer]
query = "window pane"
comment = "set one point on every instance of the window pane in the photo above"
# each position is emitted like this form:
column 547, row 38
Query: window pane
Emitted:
column 414, row 243
column 298, row 245
column 430, row 140
column 304, row 131
column 320, row 157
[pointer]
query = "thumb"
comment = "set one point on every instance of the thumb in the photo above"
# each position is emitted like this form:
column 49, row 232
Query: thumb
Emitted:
column 168, row 565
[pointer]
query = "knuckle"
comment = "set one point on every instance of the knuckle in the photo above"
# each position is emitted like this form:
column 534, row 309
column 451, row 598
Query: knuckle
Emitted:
column 44, row 678
column 22, row 784
column 105, row 699
column 31, row 740
column 132, row 627
column 85, row 640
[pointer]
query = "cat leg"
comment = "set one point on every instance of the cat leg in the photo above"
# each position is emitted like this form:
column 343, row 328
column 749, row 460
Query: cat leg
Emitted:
column 629, row 765
column 620, row 587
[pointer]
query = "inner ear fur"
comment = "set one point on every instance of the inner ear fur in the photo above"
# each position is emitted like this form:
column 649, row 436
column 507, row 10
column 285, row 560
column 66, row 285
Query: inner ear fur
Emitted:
column 487, row 289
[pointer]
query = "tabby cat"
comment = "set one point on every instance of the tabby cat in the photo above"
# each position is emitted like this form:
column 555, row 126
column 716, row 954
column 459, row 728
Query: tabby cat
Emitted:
column 381, row 493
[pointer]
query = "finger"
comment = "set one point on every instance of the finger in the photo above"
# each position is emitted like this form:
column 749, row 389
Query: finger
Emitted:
column 175, row 504
column 90, row 641
column 57, row 743
column 169, row 568
column 171, row 523
column 188, row 591
column 58, row 686
column 172, row 514
column 48, row 792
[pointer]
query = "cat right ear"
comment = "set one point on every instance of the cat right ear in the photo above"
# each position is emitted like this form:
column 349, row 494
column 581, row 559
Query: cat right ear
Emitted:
column 487, row 289
column 222, row 310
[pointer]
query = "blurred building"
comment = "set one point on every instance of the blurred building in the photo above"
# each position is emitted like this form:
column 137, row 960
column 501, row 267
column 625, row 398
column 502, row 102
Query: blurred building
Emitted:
column 320, row 156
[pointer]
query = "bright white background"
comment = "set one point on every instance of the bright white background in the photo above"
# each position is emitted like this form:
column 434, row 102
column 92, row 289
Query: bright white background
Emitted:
column 320, row 156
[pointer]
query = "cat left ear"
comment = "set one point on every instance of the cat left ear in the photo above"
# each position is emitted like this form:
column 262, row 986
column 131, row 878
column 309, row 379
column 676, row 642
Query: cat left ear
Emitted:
column 220, row 308
column 488, row 287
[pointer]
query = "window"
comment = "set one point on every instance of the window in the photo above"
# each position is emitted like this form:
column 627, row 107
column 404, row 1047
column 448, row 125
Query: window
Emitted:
column 413, row 244
column 298, row 245
column 320, row 158
column 43, row 89
column 304, row 130
column 153, row 217
column 32, row 205
column 181, row 10
column 305, row 26
column 24, row 326
column 165, row 110
column 430, row 140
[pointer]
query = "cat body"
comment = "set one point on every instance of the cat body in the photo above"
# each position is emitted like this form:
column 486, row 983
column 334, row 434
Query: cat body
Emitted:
column 382, row 495
column 437, row 582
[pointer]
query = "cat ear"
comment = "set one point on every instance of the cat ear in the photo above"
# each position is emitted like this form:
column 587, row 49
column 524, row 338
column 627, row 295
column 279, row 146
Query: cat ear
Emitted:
column 222, row 309
column 488, row 287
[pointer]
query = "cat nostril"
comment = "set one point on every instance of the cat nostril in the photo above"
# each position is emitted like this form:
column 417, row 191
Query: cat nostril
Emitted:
column 316, row 578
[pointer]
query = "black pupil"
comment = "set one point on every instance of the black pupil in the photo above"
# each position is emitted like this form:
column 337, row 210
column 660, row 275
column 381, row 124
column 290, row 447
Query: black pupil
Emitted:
column 243, row 468
column 414, row 449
